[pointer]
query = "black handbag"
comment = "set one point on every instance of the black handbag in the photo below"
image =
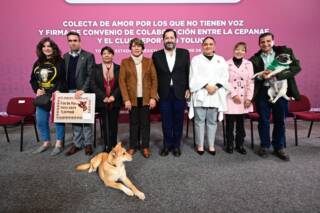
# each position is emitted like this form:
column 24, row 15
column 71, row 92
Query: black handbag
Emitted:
column 43, row 101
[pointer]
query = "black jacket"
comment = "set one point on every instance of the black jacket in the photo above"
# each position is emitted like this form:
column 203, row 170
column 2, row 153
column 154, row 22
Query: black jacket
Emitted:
column 294, row 69
column 84, row 68
column 180, row 73
column 97, row 86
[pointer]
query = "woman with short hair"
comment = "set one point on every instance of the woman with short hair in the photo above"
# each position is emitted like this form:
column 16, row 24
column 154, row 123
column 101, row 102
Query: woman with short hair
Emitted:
column 138, row 85
column 104, row 83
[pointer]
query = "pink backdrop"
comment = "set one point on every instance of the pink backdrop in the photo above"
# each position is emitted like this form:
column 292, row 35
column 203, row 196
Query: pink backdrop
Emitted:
column 295, row 23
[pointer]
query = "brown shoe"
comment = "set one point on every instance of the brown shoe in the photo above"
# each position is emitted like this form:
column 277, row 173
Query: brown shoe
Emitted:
column 131, row 151
column 88, row 150
column 146, row 152
column 73, row 149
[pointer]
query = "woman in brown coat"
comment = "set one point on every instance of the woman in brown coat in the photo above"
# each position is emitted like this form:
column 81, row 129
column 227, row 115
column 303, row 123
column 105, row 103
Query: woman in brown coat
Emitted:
column 138, row 85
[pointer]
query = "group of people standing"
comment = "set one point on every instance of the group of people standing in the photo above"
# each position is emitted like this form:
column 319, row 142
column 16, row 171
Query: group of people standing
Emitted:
column 211, row 85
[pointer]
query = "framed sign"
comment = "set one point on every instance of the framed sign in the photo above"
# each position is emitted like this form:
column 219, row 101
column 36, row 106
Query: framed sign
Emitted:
column 68, row 109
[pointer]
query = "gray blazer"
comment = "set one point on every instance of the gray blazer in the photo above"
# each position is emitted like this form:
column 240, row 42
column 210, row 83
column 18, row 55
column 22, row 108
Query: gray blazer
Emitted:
column 85, row 65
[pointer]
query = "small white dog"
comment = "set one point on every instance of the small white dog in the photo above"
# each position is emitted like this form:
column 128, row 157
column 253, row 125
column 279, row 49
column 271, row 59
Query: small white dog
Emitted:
column 277, row 88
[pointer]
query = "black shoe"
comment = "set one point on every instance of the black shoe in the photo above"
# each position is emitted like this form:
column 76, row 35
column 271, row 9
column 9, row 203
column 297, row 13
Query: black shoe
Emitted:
column 200, row 152
column 88, row 150
column 164, row 152
column 212, row 152
column 263, row 152
column 281, row 154
column 241, row 150
column 229, row 150
column 176, row 152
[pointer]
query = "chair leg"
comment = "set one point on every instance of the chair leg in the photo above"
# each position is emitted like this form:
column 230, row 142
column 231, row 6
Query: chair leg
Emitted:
column 251, row 128
column 101, row 130
column 21, row 136
column 285, row 142
column 194, row 137
column 224, row 133
column 94, row 133
column 295, row 131
column 310, row 128
column 187, row 131
column 7, row 136
column 35, row 129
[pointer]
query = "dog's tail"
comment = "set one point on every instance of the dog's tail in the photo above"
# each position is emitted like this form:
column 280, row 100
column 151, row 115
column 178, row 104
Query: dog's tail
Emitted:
column 83, row 167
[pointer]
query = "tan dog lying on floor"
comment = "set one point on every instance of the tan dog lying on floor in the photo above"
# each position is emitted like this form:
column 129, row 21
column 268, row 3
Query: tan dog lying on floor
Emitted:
column 111, row 170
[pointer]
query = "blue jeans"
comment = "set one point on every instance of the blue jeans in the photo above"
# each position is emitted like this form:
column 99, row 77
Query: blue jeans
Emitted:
column 172, row 115
column 279, row 112
column 42, row 117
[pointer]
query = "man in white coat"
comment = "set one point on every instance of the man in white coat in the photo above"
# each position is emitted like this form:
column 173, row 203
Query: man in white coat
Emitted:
column 208, row 83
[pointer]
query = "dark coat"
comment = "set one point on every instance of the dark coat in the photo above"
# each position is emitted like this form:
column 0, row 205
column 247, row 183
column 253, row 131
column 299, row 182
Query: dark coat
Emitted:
column 180, row 73
column 258, row 66
column 98, row 88
column 84, row 68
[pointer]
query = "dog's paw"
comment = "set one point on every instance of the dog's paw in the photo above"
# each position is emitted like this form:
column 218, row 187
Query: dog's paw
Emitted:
column 91, row 169
column 140, row 195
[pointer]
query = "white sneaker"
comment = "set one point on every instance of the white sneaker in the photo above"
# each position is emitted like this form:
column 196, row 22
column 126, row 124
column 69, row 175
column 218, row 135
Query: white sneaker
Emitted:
column 41, row 149
column 56, row 150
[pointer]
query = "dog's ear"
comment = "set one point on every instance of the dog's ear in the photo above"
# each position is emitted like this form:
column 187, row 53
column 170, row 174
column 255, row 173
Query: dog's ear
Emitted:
column 119, row 144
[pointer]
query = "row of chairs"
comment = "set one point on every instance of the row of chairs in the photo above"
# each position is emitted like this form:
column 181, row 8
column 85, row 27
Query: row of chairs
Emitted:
column 21, row 111
column 298, row 110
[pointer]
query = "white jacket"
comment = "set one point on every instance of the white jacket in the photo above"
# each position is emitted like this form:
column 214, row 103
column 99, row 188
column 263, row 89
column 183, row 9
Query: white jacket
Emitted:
column 202, row 72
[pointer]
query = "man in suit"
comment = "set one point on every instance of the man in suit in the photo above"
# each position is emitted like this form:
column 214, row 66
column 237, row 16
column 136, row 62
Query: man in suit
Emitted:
column 261, row 60
column 78, row 65
column 172, row 66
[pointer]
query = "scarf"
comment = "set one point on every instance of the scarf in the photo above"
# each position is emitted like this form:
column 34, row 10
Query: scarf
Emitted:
column 108, row 71
column 138, row 62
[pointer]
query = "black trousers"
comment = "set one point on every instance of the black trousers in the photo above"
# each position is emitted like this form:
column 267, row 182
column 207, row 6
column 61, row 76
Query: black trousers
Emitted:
column 139, row 125
column 110, row 120
column 240, row 131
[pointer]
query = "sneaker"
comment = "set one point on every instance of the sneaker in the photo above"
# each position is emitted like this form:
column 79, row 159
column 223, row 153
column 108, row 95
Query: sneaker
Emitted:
column 41, row 149
column 56, row 150
column 281, row 154
column 263, row 152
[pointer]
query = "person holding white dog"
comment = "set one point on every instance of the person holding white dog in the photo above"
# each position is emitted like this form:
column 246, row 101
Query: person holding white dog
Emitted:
column 261, row 61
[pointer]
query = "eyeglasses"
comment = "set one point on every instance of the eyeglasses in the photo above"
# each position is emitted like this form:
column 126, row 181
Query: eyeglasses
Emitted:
column 74, row 40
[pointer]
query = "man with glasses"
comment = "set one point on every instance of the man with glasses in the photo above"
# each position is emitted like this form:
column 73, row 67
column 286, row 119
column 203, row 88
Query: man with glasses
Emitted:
column 78, row 66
